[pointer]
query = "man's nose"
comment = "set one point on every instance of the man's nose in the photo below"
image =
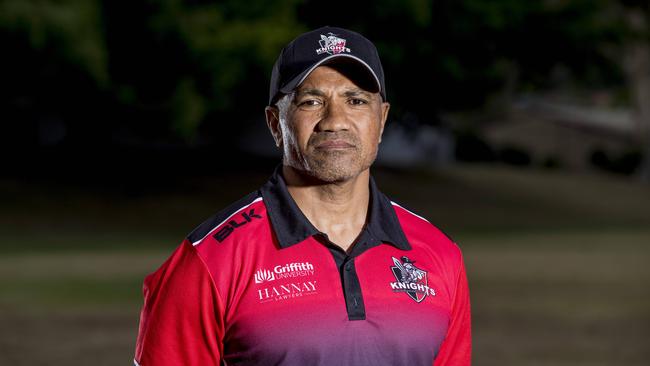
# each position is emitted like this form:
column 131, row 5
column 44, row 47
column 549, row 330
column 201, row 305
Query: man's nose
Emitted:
column 335, row 117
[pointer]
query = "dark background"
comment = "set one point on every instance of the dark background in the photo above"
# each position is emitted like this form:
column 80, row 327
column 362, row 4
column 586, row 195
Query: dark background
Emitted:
column 99, row 86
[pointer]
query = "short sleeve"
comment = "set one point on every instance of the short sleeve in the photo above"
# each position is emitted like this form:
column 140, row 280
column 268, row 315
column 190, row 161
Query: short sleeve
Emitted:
column 181, row 322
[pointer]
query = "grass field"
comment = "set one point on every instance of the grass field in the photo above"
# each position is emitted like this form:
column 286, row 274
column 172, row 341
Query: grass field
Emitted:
column 557, row 263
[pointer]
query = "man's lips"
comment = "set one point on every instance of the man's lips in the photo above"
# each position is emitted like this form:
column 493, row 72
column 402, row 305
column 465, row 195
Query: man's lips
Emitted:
column 334, row 144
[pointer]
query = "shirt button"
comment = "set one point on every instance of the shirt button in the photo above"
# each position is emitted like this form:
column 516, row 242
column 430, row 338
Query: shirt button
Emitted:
column 348, row 267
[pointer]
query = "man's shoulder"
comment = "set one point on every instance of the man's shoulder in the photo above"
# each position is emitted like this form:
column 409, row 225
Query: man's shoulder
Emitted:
column 420, row 230
column 221, row 225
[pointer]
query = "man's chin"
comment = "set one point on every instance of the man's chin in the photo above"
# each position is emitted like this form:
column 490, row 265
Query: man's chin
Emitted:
column 333, row 176
column 336, row 172
column 329, row 169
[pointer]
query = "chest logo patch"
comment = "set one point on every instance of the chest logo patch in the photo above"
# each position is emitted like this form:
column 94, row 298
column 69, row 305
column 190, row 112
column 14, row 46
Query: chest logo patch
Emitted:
column 410, row 279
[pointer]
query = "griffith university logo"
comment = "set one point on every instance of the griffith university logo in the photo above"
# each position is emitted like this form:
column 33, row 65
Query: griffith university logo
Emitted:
column 410, row 279
column 289, row 270
column 263, row 275
column 331, row 44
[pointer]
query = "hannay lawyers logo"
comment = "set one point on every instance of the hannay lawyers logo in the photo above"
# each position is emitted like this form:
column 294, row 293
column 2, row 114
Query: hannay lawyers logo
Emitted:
column 410, row 279
column 289, row 270
column 286, row 291
column 331, row 44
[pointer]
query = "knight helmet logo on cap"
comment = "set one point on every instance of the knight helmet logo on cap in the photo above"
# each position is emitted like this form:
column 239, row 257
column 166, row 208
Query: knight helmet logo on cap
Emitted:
column 331, row 44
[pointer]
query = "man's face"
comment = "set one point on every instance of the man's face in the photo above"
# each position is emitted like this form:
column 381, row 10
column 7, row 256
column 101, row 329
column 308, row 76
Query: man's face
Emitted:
column 329, row 128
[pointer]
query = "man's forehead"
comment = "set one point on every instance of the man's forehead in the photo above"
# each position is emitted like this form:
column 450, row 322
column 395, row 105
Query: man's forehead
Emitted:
column 316, row 90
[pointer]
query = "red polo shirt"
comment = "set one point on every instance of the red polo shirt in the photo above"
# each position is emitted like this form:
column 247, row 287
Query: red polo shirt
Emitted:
column 258, row 284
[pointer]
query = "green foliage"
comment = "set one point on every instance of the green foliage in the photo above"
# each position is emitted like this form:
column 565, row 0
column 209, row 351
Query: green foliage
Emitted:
column 497, row 15
column 189, row 110
column 73, row 27
column 163, row 67
column 174, row 69
column 226, row 40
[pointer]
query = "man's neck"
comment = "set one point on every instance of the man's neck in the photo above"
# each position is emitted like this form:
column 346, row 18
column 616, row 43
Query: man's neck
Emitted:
column 337, row 209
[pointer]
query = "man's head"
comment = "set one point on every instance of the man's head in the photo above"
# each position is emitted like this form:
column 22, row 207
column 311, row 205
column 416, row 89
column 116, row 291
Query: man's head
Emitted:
column 327, row 104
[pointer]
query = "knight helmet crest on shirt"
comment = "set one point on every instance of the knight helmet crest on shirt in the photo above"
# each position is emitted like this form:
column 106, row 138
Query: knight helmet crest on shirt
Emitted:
column 410, row 279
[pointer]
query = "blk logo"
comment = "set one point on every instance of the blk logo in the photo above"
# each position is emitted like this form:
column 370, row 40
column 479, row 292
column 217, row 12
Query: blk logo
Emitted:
column 247, row 217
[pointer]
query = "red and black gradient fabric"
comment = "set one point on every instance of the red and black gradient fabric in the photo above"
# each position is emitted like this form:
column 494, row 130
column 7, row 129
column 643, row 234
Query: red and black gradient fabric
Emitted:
column 258, row 284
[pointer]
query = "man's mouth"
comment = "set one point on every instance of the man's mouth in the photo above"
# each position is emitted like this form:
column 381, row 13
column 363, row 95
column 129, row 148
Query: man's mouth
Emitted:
column 334, row 145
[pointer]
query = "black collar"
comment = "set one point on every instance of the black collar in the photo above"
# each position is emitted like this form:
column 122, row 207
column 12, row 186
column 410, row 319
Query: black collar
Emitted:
column 292, row 227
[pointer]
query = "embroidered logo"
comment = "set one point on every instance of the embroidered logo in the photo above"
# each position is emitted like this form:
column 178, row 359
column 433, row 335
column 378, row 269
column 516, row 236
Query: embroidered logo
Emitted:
column 410, row 279
column 263, row 275
column 331, row 44
column 286, row 291
column 289, row 270
column 247, row 217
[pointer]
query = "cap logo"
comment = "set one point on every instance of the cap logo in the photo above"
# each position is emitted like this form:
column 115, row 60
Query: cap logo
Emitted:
column 331, row 44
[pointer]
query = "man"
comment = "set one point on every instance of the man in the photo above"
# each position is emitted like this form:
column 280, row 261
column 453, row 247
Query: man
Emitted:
column 317, row 267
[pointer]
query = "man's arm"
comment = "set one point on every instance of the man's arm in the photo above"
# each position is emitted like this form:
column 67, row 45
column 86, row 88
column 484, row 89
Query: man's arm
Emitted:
column 456, row 349
column 181, row 320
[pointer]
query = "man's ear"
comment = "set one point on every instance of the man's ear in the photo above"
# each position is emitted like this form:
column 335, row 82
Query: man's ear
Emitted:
column 385, row 107
column 273, row 122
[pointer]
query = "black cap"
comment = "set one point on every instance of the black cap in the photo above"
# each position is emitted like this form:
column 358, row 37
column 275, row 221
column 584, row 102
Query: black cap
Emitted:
column 324, row 46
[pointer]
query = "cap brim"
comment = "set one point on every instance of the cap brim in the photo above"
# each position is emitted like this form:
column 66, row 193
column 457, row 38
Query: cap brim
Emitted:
column 291, row 85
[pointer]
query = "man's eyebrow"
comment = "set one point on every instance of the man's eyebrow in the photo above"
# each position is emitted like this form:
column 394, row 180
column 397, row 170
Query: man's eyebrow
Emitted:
column 348, row 93
column 309, row 91
column 357, row 92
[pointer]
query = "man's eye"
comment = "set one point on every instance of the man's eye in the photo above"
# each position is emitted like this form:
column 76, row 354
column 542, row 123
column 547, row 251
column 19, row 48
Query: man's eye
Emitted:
column 309, row 103
column 358, row 101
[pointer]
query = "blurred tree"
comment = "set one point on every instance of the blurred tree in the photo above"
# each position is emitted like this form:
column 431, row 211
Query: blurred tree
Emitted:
column 74, row 26
column 141, row 70
column 452, row 55
column 196, row 64
column 620, row 32
column 55, row 69
column 181, row 71
column 636, row 63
